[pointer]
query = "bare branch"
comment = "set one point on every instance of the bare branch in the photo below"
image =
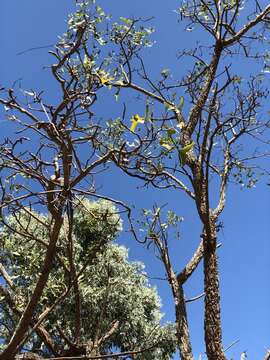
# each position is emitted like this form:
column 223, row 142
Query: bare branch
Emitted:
column 260, row 17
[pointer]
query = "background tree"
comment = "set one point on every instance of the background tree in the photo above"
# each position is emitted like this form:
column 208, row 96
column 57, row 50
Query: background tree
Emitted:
column 111, row 307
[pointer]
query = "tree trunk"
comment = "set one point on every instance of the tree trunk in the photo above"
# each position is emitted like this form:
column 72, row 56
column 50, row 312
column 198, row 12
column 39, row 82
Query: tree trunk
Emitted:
column 182, row 326
column 183, row 338
column 212, row 321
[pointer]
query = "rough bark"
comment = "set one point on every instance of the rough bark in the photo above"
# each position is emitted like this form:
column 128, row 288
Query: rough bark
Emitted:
column 28, row 356
column 182, row 330
column 212, row 320
column 182, row 326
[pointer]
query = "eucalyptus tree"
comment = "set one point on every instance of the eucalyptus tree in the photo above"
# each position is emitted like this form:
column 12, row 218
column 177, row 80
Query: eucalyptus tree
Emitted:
column 190, row 134
column 187, row 137
column 111, row 307
column 198, row 144
column 194, row 144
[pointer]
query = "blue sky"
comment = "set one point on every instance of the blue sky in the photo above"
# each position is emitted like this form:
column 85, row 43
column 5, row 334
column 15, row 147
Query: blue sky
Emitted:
column 244, row 255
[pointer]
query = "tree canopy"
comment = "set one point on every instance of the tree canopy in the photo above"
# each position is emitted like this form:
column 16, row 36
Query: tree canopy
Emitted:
column 193, row 133
column 117, row 307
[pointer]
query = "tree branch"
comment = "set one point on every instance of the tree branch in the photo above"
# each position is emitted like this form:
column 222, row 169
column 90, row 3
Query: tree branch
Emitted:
column 247, row 27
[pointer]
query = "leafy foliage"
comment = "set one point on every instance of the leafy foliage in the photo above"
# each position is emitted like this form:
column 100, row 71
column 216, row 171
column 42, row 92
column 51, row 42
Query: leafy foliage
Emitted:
column 191, row 137
column 112, row 289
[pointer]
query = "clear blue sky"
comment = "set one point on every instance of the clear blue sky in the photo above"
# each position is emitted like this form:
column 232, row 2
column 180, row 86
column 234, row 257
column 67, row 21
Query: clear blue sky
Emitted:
column 244, row 256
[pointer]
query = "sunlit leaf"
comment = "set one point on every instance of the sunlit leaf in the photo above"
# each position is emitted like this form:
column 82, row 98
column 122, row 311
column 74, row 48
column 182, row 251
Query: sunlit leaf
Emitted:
column 104, row 77
column 183, row 153
column 125, row 20
column 87, row 62
column 30, row 93
column 119, row 82
column 171, row 131
column 167, row 144
column 135, row 120
column 116, row 95
column 266, row 69
column 181, row 103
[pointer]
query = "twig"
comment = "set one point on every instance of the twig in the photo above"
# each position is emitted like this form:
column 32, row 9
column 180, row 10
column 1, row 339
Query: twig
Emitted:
column 231, row 345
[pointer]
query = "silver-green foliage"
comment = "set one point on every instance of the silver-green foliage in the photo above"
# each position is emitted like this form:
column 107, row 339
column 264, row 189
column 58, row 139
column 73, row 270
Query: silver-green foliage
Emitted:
column 111, row 287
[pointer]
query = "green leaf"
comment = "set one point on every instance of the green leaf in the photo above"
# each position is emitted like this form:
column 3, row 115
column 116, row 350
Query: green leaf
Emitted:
column 181, row 103
column 100, row 11
column 116, row 95
column 88, row 64
column 166, row 143
column 148, row 114
column 15, row 253
column 171, row 131
column 183, row 153
column 125, row 20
